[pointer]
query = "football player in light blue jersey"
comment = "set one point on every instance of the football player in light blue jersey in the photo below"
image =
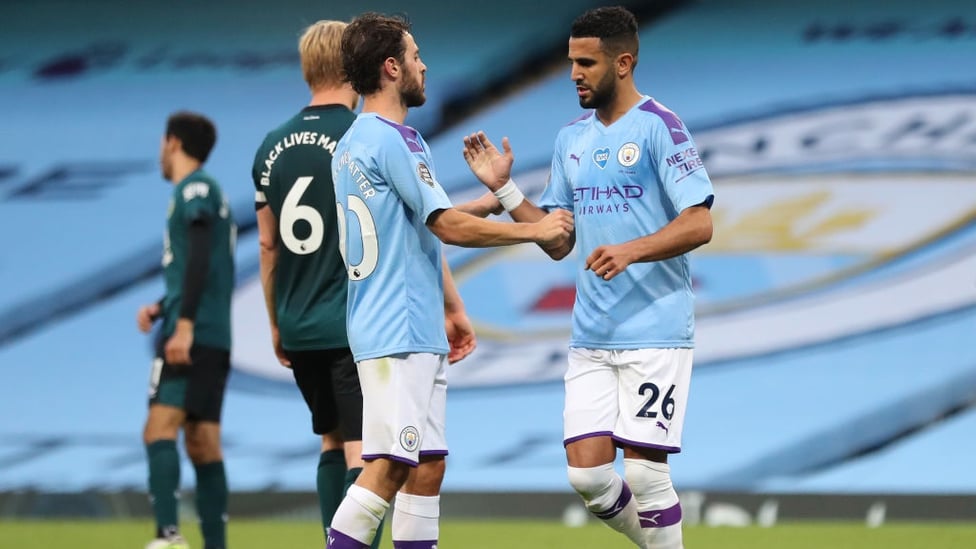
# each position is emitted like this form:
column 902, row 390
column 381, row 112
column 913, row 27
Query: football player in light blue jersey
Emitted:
column 405, row 318
column 630, row 172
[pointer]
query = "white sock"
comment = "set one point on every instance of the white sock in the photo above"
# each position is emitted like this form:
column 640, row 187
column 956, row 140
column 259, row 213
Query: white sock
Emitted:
column 359, row 514
column 415, row 521
column 608, row 498
column 657, row 503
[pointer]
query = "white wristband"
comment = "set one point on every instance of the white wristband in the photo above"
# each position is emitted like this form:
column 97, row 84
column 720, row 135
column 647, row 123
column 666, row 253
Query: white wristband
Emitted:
column 510, row 196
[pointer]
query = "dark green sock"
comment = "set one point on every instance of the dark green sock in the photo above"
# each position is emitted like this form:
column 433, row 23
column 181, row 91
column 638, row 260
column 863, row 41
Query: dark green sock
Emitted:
column 329, row 481
column 164, row 481
column 351, row 476
column 211, row 500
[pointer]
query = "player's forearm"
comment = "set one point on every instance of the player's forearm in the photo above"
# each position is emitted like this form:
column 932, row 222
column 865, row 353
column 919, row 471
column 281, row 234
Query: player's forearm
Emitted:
column 268, row 257
column 461, row 229
column 268, row 260
column 452, row 298
column 691, row 229
column 483, row 206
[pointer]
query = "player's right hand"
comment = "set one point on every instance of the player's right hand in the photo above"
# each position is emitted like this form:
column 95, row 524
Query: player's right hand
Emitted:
column 278, row 349
column 555, row 228
column 146, row 316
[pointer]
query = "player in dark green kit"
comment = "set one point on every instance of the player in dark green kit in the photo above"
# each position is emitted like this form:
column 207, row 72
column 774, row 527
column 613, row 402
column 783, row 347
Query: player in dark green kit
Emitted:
column 302, row 271
column 192, row 361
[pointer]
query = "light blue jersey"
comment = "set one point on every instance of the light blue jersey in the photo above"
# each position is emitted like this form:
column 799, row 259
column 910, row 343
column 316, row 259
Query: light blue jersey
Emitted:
column 386, row 189
column 624, row 182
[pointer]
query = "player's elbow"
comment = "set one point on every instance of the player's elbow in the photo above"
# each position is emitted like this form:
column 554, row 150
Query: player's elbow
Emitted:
column 556, row 255
column 703, row 232
column 561, row 251
column 268, row 243
column 449, row 235
column 445, row 226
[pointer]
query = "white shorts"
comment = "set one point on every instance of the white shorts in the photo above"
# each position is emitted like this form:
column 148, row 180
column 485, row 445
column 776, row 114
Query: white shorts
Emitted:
column 404, row 406
column 638, row 397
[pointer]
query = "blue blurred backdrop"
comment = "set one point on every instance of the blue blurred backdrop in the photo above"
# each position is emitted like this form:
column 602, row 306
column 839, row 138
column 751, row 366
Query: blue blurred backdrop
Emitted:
column 837, row 302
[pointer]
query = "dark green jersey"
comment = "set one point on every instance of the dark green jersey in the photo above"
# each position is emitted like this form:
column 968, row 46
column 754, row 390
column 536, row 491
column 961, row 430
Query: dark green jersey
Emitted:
column 199, row 197
column 293, row 176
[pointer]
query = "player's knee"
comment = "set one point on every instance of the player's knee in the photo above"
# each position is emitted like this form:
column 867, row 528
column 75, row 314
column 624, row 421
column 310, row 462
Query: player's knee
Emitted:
column 426, row 478
column 160, row 427
column 202, row 444
column 647, row 477
column 598, row 486
column 332, row 441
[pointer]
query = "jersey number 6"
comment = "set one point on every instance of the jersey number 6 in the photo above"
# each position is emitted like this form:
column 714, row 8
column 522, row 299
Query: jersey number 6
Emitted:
column 292, row 212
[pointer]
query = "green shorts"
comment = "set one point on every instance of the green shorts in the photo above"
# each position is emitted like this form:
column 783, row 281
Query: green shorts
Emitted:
column 197, row 388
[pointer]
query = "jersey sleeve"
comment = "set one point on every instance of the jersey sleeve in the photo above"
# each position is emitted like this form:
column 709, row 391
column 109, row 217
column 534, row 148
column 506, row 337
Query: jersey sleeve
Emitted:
column 679, row 168
column 411, row 173
column 558, row 193
column 260, row 181
column 198, row 201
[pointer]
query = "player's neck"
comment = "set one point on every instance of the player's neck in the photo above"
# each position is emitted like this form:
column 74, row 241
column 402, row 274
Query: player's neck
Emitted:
column 343, row 95
column 625, row 100
column 387, row 105
column 182, row 167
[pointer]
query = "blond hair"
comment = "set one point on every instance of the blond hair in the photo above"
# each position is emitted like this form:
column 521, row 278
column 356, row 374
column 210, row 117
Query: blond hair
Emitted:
column 321, row 53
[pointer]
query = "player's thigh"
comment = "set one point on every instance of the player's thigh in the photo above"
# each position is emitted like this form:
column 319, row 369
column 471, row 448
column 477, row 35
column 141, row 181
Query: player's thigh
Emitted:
column 400, row 403
column 590, row 408
column 348, row 394
column 653, row 393
column 206, row 381
column 312, row 371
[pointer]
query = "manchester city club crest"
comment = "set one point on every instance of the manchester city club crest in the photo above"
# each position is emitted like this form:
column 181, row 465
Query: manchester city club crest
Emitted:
column 628, row 154
column 409, row 438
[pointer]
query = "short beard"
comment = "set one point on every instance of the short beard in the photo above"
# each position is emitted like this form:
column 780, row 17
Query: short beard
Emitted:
column 413, row 96
column 603, row 95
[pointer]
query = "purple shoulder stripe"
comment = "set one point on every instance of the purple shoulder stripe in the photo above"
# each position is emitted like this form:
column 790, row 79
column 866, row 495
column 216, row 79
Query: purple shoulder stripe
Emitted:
column 409, row 135
column 581, row 117
column 671, row 120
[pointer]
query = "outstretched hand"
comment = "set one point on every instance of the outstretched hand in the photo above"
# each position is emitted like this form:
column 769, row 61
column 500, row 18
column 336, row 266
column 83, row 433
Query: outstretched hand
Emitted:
column 492, row 167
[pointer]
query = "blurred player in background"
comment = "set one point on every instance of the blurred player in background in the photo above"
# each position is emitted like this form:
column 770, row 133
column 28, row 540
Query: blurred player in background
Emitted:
column 631, row 173
column 395, row 217
column 302, row 273
column 192, row 361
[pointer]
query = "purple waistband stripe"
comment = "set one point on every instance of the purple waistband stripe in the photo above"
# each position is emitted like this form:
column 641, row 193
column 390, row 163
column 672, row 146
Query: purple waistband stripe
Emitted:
column 661, row 518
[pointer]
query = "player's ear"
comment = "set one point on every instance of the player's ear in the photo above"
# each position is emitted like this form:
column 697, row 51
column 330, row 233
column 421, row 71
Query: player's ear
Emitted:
column 391, row 67
column 625, row 63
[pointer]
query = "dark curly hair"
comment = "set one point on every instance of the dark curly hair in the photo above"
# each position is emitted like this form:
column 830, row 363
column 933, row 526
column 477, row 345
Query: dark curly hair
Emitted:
column 196, row 132
column 615, row 26
column 368, row 41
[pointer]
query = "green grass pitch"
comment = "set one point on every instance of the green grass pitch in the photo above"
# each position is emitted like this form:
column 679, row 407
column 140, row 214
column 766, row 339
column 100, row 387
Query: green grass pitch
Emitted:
column 263, row 534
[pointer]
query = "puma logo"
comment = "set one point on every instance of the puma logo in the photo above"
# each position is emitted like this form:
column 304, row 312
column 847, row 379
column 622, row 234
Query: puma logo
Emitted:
column 663, row 426
column 574, row 157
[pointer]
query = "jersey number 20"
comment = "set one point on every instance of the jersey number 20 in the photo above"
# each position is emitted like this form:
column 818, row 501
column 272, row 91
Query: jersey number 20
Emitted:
column 367, row 235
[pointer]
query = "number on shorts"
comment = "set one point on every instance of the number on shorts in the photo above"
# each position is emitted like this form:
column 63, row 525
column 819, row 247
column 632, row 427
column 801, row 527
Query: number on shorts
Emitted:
column 667, row 405
column 154, row 375
column 371, row 248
